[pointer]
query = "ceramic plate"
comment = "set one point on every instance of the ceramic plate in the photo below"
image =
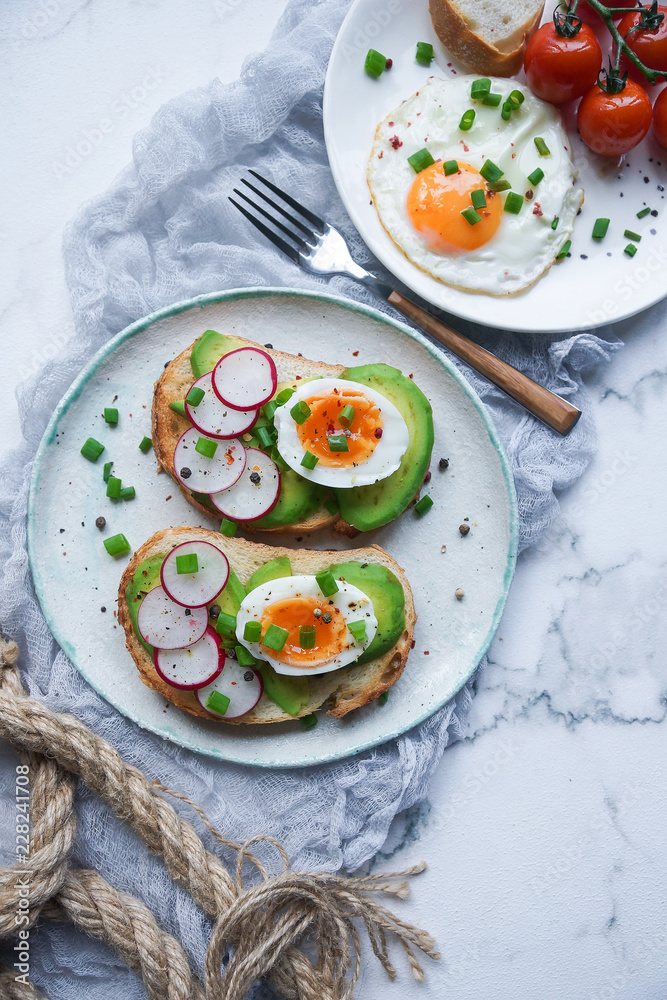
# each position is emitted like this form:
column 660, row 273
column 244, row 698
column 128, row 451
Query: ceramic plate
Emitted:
column 75, row 578
column 598, row 284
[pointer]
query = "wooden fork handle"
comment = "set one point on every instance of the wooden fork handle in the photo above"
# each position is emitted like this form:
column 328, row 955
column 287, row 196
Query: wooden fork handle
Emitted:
column 541, row 402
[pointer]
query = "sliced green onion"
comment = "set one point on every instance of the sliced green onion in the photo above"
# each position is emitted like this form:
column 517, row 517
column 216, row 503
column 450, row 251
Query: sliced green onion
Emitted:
column 217, row 702
column 113, row 487
column 600, row 229
column 358, row 630
column 307, row 636
column 128, row 493
column 424, row 53
column 516, row 98
column 554, row 224
column 284, row 395
column 92, row 449
column 480, row 88
column 275, row 637
column 542, row 147
column 478, row 198
column 278, row 459
column 631, row 250
column 423, row 505
column 629, row 235
column 347, row 415
column 195, row 396
column 117, row 545
column 331, row 505
column 506, row 110
column 300, row 412
column 564, row 250
column 265, row 437
column 326, row 582
column 451, row 167
column 111, row 414
column 270, row 408
column 498, row 186
column 244, row 657
column 384, row 698
column 490, row 172
column 513, row 203
column 226, row 625
column 107, row 471
column 178, row 406
column 337, row 442
column 145, row 444
column 471, row 216
column 252, row 631
column 309, row 461
column 643, row 213
column 492, row 100
column 420, row 160
column 188, row 563
column 206, row 447
column 536, row 176
column 228, row 527
column 467, row 119
column 308, row 721
column 375, row 63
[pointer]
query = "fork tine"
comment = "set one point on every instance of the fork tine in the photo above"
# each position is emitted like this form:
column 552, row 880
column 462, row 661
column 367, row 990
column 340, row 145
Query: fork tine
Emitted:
column 286, row 215
column 274, row 222
column 307, row 214
column 277, row 241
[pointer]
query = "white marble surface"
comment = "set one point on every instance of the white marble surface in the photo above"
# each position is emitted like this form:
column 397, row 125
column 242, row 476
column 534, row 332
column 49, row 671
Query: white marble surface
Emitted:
column 546, row 828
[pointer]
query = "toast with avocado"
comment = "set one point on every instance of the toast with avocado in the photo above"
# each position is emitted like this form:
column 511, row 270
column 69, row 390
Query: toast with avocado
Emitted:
column 279, row 443
column 266, row 647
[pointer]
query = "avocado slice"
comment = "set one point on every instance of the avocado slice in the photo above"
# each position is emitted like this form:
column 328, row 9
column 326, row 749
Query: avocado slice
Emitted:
column 271, row 570
column 386, row 593
column 299, row 498
column 208, row 349
column 368, row 507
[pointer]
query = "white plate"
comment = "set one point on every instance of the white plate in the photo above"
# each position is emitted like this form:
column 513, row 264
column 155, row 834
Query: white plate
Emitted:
column 575, row 295
column 74, row 577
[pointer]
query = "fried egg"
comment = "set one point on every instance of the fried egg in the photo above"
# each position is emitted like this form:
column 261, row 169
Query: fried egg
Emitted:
column 294, row 601
column 375, row 441
column 500, row 253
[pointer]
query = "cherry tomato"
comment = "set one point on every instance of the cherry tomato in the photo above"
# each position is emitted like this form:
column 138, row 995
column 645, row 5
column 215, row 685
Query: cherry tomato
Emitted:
column 590, row 16
column 560, row 69
column 660, row 118
column 650, row 46
column 613, row 124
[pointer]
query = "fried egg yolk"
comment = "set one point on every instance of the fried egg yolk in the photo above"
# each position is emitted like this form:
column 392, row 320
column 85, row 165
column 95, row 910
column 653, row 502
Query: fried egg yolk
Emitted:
column 293, row 612
column 435, row 203
column 362, row 434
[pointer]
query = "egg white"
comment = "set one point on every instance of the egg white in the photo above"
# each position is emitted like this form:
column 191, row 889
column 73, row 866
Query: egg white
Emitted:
column 525, row 245
column 385, row 458
column 255, row 603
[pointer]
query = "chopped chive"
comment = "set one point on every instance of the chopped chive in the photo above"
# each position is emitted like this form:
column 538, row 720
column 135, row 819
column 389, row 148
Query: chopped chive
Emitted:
column 278, row 459
column 337, row 442
column 92, row 449
column 265, row 437
column 206, row 447
column 480, row 88
column 451, row 167
column 492, row 100
column 423, row 505
column 300, row 412
column 490, row 172
column 631, row 250
column 217, row 702
column 542, row 147
column 188, row 563
column 284, row 395
column 275, row 637
column 564, row 250
column 252, row 631
column 178, row 406
column 270, row 408
column 111, row 414
column 420, row 160
column 629, row 235
column 467, row 119
column 117, row 545
column 107, row 471
column 424, row 53
column 145, row 444
column 226, row 625
column 384, row 698
column 506, row 110
column 516, row 98
column 331, row 505
column 375, row 63
column 195, row 396
column 498, row 186
column 244, row 657
column 536, row 176
column 643, row 213
column 308, row 721
column 113, row 487
column 347, row 415
column 309, row 461
column 554, row 224
column 307, row 636
column 228, row 527
column 478, row 198
column 326, row 583
column 358, row 630
column 600, row 229
column 128, row 493
column 513, row 203
column 471, row 216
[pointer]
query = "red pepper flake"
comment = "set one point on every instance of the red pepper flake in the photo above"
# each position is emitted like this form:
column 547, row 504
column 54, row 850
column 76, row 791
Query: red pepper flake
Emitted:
column 298, row 378
column 64, row 553
column 536, row 209
column 143, row 406
column 380, row 154
column 409, row 124
column 427, row 652
column 378, row 432
column 418, row 114
column 130, row 414
column 413, row 644
column 355, row 354
column 427, row 477
column 466, row 149
column 410, row 375
column 390, row 124
column 395, row 142
column 514, row 156
column 169, row 497
column 389, row 63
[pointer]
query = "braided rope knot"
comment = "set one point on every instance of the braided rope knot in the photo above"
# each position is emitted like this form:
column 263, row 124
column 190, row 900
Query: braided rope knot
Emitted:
column 267, row 928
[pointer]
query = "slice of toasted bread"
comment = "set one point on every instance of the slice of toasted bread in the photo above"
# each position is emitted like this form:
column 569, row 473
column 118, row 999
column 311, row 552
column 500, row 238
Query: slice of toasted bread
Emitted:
column 168, row 426
column 344, row 689
column 487, row 36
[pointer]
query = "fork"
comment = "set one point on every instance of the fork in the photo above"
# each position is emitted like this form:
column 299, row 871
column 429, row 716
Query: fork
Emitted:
column 320, row 249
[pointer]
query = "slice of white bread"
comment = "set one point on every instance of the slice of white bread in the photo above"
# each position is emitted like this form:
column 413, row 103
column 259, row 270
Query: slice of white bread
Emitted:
column 487, row 36
column 344, row 689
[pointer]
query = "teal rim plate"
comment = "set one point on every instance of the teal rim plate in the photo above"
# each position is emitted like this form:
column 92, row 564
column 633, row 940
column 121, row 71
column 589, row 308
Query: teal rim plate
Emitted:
column 77, row 582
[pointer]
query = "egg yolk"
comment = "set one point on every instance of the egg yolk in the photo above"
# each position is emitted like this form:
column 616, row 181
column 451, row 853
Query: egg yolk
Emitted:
column 435, row 203
column 293, row 612
column 362, row 435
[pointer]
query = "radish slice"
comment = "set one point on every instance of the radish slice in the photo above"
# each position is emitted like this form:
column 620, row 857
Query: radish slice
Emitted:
column 245, row 378
column 254, row 493
column 242, row 685
column 194, row 666
column 168, row 625
column 213, row 417
column 208, row 475
column 195, row 590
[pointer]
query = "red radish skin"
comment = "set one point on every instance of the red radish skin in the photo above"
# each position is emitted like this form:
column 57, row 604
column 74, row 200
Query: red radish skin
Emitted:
column 224, row 468
column 164, row 624
column 229, row 682
column 233, row 386
column 219, row 663
column 219, row 557
column 211, row 416
column 226, row 500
